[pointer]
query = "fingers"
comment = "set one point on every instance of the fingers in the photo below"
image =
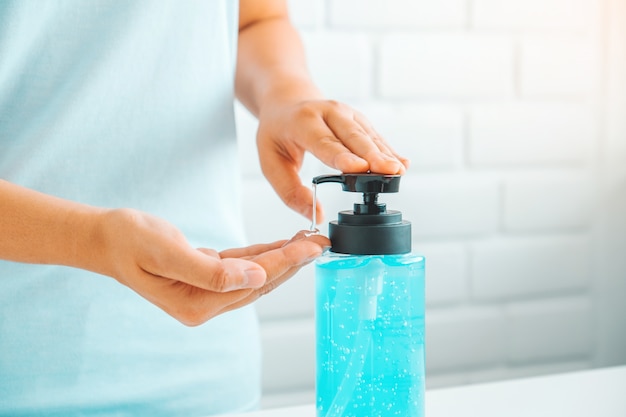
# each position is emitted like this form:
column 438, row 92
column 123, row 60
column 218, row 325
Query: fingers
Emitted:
column 254, row 250
column 193, row 301
column 256, row 294
column 344, row 139
column 279, row 263
column 263, row 264
column 282, row 173
column 302, row 234
column 283, row 263
column 360, row 139
column 333, row 148
column 211, row 252
column 190, row 284
column 205, row 270
column 209, row 272
column 250, row 251
column 382, row 144
column 336, row 134
column 188, row 304
column 297, row 253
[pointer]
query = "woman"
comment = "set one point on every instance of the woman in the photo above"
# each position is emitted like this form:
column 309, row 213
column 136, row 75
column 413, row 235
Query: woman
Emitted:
column 118, row 160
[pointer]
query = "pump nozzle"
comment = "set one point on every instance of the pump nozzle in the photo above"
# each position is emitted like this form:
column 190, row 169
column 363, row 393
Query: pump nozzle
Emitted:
column 370, row 228
column 363, row 183
column 368, row 184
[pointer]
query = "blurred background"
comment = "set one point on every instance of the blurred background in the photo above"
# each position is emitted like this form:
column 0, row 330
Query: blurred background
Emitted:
column 513, row 113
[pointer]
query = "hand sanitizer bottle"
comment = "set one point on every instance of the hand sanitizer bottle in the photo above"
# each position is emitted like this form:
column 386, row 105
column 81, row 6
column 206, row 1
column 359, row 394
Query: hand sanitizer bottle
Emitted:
column 369, row 309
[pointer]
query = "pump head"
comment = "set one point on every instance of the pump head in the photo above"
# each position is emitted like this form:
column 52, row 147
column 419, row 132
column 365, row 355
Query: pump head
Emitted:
column 368, row 184
column 369, row 229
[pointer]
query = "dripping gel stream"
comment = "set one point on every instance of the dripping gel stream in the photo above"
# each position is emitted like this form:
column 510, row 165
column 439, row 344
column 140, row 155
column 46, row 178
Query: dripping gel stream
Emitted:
column 314, row 229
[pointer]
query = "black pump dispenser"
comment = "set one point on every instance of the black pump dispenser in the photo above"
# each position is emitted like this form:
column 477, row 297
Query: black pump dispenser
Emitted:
column 369, row 229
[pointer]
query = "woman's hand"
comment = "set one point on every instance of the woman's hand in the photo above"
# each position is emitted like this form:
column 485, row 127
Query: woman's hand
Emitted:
column 154, row 259
column 339, row 136
column 273, row 82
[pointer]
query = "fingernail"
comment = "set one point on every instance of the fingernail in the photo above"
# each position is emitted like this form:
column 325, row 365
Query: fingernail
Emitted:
column 255, row 278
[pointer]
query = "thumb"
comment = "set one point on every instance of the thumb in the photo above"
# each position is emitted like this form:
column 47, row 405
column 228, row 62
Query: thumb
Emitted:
column 205, row 270
column 287, row 184
column 239, row 273
column 300, row 198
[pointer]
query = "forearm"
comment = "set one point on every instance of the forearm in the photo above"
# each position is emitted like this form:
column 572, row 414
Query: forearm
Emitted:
column 271, row 65
column 38, row 228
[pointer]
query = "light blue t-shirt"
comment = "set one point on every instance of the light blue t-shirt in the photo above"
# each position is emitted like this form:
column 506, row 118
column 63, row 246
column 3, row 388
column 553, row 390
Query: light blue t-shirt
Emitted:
column 121, row 104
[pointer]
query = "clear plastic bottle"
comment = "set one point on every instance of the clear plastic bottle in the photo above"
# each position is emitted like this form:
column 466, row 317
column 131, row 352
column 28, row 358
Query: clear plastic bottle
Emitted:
column 369, row 311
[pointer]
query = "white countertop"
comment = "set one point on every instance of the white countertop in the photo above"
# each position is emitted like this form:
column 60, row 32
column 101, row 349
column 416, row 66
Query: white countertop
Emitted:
column 592, row 393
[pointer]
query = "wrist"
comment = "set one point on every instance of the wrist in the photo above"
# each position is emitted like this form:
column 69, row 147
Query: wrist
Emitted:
column 42, row 229
column 288, row 90
column 91, row 246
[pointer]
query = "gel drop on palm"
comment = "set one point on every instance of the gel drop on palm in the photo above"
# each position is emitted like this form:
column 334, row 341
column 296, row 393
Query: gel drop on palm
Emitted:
column 369, row 309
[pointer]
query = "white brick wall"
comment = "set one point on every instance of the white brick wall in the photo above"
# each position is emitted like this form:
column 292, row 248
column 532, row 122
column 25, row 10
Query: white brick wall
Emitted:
column 544, row 202
column 447, row 282
column 446, row 65
column 336, row 63
column 510, row 268
column 449, row 205
column 465, row 338
column 531, row 133
column 557, row 65
column 563, row 325
column 512, row 112
column 306, row 14
column 406, row 14
column 533, row 14
column 431, row 134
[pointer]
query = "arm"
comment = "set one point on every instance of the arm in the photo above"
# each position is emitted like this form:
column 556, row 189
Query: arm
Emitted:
column 37, row 228
column 273, row 82
column 145, row 253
